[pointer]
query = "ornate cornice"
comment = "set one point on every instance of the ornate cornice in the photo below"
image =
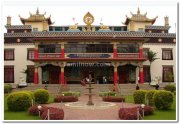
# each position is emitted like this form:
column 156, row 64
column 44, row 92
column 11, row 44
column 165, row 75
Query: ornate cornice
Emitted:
column 101, row 35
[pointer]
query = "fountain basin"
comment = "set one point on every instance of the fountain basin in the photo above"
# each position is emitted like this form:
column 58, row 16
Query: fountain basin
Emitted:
column 83, row 105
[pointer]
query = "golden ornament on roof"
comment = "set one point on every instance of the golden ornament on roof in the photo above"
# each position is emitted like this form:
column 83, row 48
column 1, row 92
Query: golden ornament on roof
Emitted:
column 88, row 20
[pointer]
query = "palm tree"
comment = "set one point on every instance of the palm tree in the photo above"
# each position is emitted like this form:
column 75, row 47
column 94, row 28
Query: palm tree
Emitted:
column 151, row 57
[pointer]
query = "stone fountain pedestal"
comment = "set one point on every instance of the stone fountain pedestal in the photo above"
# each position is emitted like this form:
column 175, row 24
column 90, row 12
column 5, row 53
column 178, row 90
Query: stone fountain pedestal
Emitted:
column 90, row 94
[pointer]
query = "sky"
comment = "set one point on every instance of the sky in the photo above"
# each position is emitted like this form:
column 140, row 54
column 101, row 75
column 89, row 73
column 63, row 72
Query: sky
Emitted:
column 112, row 12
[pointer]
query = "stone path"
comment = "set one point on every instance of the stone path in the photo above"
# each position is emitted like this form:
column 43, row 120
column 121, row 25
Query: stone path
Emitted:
column 91, row 114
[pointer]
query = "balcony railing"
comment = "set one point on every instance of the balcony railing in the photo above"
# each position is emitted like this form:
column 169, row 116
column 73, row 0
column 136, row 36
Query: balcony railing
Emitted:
column 89, row 55
column 49, row 55
column 128, row 55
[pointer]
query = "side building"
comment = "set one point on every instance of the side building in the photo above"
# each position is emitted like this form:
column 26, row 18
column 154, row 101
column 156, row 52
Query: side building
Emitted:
column 39, row 52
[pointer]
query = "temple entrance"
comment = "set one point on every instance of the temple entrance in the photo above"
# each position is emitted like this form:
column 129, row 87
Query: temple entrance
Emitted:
column 127, row 74
column 74, row 74
column 50, row 74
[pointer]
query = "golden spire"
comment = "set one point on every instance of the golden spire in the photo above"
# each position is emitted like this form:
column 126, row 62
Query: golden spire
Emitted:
column 37, row 11
column 138, row 12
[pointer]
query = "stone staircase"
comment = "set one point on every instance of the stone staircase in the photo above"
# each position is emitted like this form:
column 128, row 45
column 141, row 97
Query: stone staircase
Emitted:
column 124, row 89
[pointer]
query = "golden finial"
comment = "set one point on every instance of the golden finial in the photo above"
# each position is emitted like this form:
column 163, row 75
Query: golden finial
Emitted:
column 138, row 12
column 88, row 20
column 37, row 11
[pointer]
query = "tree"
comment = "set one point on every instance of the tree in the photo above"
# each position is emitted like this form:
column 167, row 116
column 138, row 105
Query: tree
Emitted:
column 151, row 57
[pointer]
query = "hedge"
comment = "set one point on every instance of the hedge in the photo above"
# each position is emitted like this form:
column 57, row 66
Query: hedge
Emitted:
column 70, row 93
column 19, row 101
column 170, row 87
column 107, row 94
column 41, row 96
column 139, row 96
column 7, row 88
column 149, row 97
column 163, row 99
column 113, row 99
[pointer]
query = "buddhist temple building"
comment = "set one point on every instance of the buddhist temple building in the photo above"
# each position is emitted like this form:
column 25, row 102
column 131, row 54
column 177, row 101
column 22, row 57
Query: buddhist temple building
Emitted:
column 40, row 52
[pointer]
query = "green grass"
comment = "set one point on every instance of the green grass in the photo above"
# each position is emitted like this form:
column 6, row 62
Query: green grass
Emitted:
column 164, row 114
column 9, row 115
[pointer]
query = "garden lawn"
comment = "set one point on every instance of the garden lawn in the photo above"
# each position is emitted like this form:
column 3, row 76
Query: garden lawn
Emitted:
column 9, row 115
column 164, row 114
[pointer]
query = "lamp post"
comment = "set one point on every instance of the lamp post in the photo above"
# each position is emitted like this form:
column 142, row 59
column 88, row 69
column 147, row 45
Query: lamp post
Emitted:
column 39, row 108
column 142, row 106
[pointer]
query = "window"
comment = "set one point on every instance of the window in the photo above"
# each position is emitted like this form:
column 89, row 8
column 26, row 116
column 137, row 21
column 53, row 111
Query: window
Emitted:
column 35, row 29
column 168, row 74
column 30, row 54
column 145, row 52
column 30, row 73
column 167, row 54
column 128, row 48
column 9, row 54
column 146, row 70
column 89, row 48
column 49, row 48
column 8, row 74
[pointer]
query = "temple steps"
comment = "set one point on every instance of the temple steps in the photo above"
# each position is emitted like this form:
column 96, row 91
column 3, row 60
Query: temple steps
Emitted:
column 124, row 89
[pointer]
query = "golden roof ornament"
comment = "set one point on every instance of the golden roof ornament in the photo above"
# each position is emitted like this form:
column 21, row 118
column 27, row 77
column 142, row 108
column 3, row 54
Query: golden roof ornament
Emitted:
column 88, row 20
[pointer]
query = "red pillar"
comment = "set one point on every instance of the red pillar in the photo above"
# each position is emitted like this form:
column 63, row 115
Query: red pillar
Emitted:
column 36, row 75
column 62, row 50
column 141, row 76
column 115, row 51
column 62, row 53
column 35, row 53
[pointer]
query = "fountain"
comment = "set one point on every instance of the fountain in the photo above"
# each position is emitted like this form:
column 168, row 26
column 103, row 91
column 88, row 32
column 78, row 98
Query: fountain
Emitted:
column 90, row 104
column 90, row 94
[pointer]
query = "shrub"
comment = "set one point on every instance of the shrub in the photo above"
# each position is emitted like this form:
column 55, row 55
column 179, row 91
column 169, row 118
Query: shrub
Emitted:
column 33, row 110
column 70, row 93
column 41, row 96
column 149, row 97
column 170, row 87
column 55, row 113
column 18, row 101
column 131, row 113
column 139, row 96
column 65, row 99
column 128, row 113
column 28, row 92
column 107, row 94
column 113, row 99
column 163, row 99
column 148, row 110
column 7, row 88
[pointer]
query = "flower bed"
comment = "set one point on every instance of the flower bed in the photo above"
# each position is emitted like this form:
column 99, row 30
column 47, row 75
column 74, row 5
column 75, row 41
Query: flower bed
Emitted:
column 113, row 99
column 131, row 113
column 65, row 99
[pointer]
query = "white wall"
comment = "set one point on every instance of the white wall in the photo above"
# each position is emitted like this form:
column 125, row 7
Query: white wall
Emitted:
column 156, row 67
column 20, row 61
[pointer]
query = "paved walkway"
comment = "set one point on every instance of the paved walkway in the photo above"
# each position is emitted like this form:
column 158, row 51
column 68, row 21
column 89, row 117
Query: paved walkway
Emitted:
column 91, row 114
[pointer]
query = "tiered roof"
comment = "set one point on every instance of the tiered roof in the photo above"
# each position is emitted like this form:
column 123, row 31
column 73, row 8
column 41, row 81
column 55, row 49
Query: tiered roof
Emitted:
column 36, row 18
column 139, row 18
